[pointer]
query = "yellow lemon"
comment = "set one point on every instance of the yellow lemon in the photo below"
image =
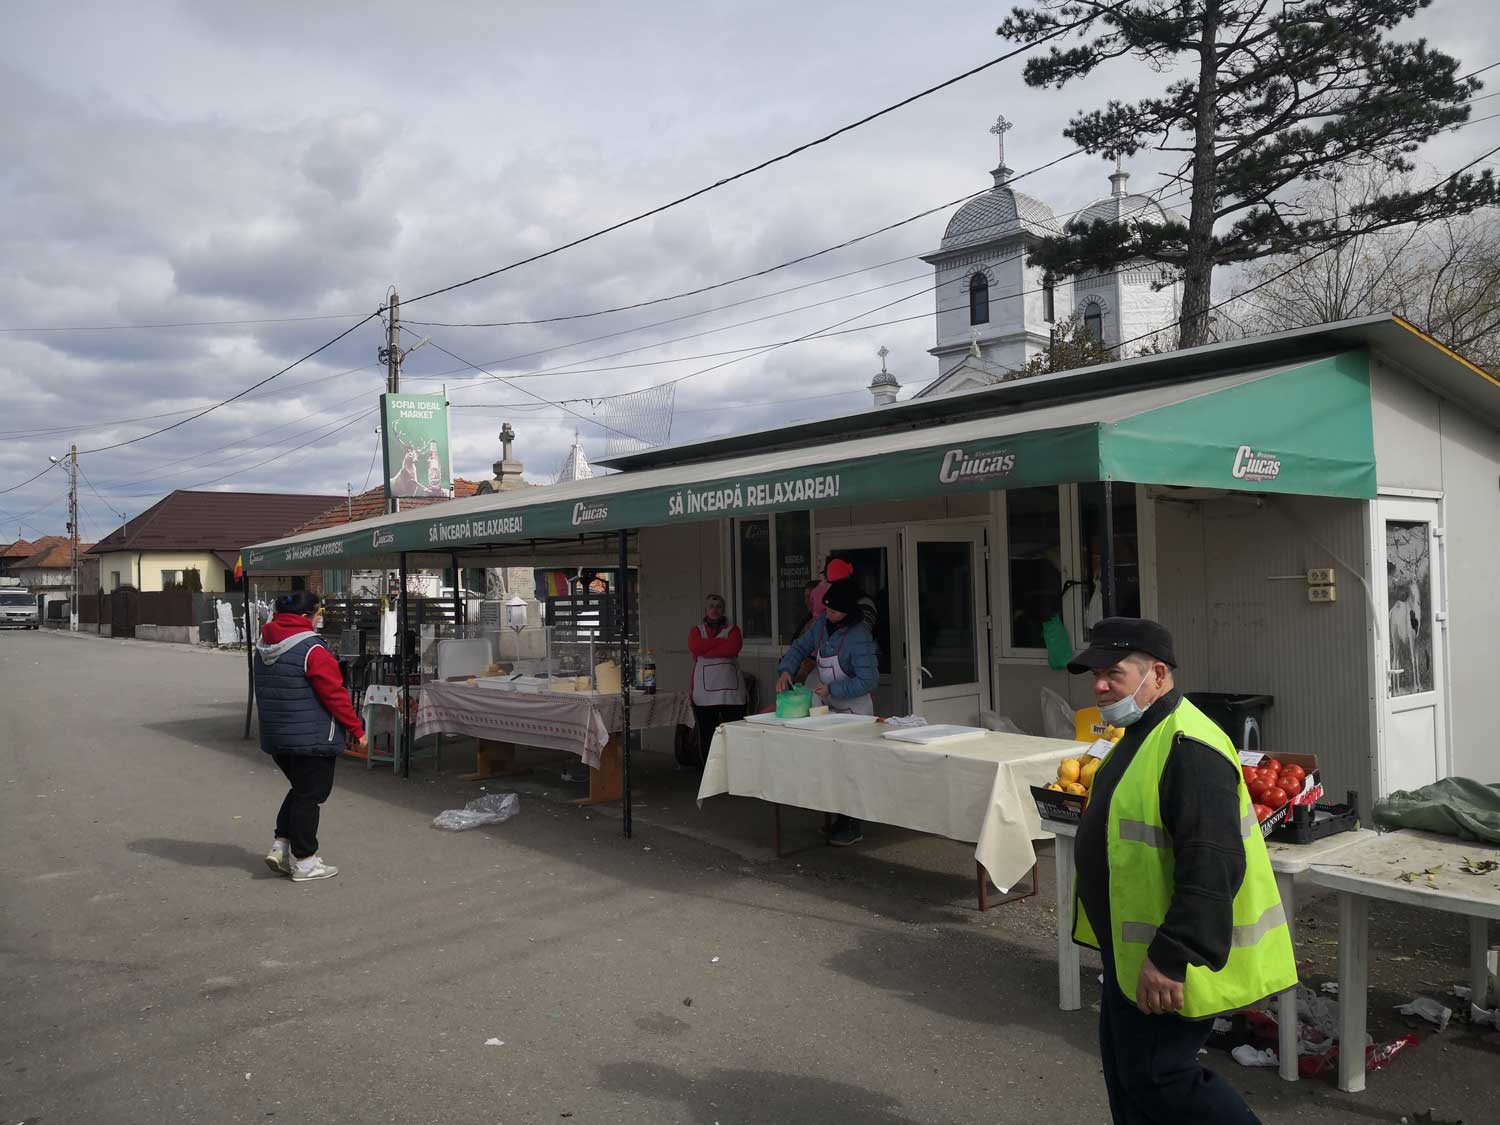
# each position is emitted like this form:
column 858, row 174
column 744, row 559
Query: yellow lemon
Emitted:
column 1068, row 770
column 1090, row 768
column 1074, row 788
column 1055, row 787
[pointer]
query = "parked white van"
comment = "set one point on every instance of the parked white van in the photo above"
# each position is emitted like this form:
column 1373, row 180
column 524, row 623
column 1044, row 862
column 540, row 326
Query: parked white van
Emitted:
column 18, row 610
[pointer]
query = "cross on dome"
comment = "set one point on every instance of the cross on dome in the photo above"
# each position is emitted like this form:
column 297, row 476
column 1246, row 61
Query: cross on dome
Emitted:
column 882, row 353
column 999, row 129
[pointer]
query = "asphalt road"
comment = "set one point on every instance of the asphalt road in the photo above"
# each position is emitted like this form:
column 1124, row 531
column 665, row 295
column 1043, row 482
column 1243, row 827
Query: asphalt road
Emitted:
column 153, row 970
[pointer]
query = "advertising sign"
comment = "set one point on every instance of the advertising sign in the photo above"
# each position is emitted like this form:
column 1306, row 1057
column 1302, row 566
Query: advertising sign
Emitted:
column 414, row 436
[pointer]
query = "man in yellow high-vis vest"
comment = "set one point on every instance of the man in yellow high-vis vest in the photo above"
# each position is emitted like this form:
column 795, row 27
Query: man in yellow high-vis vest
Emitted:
column 1174, row 887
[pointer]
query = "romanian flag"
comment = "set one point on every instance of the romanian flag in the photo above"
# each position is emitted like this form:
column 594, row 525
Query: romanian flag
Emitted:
column 558, row 584
column 239, row 568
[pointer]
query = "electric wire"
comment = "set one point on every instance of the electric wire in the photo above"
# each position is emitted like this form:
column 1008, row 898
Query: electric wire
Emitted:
column 787, row 155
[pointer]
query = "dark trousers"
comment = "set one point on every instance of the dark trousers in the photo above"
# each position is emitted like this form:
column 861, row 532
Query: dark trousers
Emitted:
column 1151, row 1066
column 708, row 720
column 311, row 777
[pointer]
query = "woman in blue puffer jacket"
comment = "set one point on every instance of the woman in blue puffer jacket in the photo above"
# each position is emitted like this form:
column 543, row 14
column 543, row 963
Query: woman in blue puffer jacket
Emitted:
column 848, row 670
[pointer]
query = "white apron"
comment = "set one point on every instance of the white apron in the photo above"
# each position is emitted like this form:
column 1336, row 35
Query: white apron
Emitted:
column 831, row 672
column 716, row 679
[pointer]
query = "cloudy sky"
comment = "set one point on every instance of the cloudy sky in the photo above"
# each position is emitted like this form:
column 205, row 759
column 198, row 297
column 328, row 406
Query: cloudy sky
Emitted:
column 284, row 162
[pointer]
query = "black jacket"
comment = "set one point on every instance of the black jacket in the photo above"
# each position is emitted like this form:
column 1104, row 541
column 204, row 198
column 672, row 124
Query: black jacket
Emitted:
column 1201, row 812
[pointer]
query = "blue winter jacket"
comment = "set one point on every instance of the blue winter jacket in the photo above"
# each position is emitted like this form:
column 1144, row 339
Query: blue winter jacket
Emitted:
column 858, row 658
column 293, row 719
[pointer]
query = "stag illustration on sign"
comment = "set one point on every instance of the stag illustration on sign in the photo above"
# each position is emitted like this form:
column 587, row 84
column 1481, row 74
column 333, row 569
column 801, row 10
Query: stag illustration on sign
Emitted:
column 1408, row 594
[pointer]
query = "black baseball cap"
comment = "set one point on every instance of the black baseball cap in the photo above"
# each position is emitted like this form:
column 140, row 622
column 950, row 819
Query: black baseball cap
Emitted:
column 1114, row 638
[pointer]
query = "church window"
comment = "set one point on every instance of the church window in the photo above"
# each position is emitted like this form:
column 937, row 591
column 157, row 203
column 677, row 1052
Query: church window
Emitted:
column 979, row 299
column 1049, row 305
column 1093, row 321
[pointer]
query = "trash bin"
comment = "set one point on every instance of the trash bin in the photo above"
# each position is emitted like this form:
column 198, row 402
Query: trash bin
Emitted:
column 1241, row 717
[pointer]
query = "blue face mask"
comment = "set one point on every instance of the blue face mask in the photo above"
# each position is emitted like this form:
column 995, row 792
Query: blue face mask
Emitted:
column 1124, row 712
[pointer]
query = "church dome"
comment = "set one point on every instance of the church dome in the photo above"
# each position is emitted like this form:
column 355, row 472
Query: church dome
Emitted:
column 1122, row 207
column 999, row 212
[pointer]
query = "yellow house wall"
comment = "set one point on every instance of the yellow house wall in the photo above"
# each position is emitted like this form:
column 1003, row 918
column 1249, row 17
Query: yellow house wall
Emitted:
column 209, row 566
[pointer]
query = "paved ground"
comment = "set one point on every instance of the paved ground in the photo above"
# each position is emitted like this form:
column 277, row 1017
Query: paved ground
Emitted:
column 153, row 970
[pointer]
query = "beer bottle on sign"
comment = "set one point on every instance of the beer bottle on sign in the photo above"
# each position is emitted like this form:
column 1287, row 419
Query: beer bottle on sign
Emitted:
column 434, row 467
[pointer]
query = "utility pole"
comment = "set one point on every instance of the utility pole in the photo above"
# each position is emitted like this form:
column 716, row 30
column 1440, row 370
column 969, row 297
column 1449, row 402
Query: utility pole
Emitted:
column 392, row 366
column 73, row 536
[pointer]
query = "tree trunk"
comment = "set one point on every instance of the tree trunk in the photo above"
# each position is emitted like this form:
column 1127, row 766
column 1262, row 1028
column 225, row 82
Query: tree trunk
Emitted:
column 1198, row 270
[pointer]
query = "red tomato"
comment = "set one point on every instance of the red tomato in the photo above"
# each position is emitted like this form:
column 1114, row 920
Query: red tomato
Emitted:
column 1293, row 775
column 1258, row 789
column 1250, row 772
column 1261, row 812
column 1275, row 796
column 1270, row 765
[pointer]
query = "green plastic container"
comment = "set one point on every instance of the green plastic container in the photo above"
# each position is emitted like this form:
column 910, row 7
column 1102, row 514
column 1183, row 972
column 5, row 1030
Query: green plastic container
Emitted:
column 793, row 703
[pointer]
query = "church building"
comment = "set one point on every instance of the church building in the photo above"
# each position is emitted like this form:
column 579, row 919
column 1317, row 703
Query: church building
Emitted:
column 995, row 312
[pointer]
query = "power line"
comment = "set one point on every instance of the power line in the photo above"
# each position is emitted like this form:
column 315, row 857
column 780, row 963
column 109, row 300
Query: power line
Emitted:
column 761, row 272
column 81, row 428
column 787, row 155
column 180, row 324
column 52, row 465
column 323, row 434
column 523, row 390
column 234, row 397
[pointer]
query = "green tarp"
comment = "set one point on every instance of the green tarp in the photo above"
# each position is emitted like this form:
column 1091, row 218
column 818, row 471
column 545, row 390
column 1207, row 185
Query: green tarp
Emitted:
column 1454, row 806
column 1302, row 430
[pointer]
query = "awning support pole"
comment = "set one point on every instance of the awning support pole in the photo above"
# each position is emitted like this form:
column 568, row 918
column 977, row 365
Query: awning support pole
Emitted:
column 403, row 660
column 625, row 671
column 460, row 626
column 249, row 651
column 1108, row 553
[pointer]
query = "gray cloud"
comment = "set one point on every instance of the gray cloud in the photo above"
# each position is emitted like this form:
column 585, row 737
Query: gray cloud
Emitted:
column 173, row 161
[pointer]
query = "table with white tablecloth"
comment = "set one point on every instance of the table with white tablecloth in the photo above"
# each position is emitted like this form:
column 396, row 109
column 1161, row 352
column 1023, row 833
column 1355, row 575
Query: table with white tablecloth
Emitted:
column 582, row 723
column 976, row 790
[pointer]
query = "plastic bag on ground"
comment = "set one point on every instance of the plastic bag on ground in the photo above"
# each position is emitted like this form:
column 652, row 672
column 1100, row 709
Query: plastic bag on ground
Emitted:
column 1428, row 1009
column 492, row 808
column 1057, row 716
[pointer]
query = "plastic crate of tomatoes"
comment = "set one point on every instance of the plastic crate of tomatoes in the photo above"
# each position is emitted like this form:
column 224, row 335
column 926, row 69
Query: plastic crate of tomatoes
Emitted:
column 1277, row 783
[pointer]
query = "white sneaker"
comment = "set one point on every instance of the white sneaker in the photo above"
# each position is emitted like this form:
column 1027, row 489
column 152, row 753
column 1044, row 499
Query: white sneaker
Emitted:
column 279, row 859
column 306, row 870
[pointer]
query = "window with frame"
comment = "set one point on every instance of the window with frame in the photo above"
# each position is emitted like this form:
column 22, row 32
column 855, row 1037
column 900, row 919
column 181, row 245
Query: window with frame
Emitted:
column 1093, row 320
column 1049, row 300
column 772, row 565
column 1033, row 545
column 1091, row 549
column 979, row 299
column 171, row 579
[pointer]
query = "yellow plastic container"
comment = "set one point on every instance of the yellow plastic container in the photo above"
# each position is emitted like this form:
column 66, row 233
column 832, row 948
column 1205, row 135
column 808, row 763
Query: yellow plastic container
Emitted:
column 1089, row 726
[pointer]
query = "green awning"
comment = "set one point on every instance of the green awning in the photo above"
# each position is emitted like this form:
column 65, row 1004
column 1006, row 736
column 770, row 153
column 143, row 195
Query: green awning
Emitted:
column 1302, row 429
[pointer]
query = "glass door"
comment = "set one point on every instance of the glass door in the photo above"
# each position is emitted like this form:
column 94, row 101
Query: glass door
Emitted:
column 875, row 556
column 1415, row 743
column 948, row 623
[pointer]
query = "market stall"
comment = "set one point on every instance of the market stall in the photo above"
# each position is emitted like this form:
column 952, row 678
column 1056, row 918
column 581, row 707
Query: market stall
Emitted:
column 1283, row 492
column 973, row 787
column 587, row 723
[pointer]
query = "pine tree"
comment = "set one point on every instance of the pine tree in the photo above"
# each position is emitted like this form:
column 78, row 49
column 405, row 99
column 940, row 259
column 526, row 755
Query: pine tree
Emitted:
column 1270, row 95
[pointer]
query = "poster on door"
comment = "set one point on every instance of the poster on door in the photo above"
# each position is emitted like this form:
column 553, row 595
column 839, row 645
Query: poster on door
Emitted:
column 1408, row 573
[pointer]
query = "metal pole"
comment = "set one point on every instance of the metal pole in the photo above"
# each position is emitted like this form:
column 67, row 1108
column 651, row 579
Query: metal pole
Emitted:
column 403, row 656
column 249, row 649
column 625, row 670
column 73, row 537
column 1108, row 553
column 460, row 626
column 392, row 381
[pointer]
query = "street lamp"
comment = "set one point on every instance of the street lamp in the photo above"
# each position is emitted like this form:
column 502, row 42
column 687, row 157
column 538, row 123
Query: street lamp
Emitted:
column 515, row 620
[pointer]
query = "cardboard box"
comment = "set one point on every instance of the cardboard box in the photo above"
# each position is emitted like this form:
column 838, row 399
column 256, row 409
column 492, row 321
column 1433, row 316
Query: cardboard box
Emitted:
column 1065, row 808
column 1312, row 785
